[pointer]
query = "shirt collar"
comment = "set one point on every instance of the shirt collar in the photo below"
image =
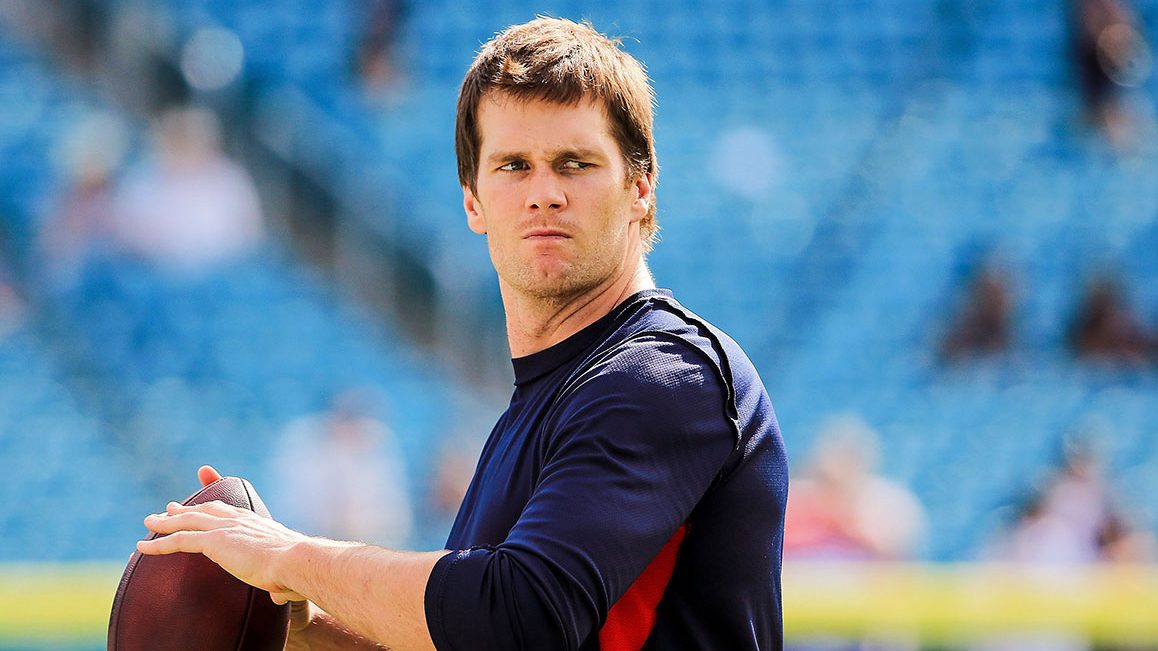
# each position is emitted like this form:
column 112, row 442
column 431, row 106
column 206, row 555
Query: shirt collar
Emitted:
column 529, row 368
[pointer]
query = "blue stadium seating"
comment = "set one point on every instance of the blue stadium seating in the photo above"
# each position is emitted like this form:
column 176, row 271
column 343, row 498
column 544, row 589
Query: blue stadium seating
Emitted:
column 911, row 137
column 120, row 386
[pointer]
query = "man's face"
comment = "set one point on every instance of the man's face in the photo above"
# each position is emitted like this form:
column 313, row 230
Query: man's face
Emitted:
column 553, row 198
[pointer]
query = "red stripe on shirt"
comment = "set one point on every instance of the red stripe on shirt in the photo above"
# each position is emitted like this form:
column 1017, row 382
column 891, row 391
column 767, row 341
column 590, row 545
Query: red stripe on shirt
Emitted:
column 632, row 617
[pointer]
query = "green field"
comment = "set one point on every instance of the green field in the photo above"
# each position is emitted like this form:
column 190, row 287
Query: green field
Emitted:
column 56, row 606
column 66, row 606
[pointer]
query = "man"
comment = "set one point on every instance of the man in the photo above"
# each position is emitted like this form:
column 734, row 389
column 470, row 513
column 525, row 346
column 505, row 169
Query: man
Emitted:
column 632, row 496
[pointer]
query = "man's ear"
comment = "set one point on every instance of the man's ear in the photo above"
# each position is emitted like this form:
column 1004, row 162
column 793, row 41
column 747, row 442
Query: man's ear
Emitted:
column 474, row 218
column 644, row 186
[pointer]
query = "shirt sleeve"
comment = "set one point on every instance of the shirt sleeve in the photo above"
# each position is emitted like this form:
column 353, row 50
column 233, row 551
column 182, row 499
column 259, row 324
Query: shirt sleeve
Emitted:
column 631, row 450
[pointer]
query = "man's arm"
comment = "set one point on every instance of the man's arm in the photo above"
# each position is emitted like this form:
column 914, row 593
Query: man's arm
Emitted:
column 369, row 591
column 375, row 593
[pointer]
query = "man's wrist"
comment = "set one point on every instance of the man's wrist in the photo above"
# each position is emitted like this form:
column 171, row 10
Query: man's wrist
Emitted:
column 306, row 559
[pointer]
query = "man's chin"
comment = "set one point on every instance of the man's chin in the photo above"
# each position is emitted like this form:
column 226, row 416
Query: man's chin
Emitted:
column 555, row 288
column 554, row 292
column 554, row 280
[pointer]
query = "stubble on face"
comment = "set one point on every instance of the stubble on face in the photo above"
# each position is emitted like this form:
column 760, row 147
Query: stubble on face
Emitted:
column 555, row 271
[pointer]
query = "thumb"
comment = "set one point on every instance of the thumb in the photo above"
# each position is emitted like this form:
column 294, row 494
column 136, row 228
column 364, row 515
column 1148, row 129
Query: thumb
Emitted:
column 207, row 475
column 283, row 598
column 301, row 613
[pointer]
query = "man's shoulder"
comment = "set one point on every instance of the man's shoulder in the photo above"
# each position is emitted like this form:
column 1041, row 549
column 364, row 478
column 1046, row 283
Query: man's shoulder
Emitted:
column 665, row 359
column 652, row 340
column 657, row 372
column 660, row 328
column 659, row 355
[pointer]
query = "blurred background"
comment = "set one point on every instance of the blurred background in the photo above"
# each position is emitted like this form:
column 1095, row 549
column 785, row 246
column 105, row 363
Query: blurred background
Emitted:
column 231, row 233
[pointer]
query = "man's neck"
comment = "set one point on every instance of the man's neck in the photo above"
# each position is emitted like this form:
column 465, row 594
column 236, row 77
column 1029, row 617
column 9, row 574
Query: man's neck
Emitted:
column 536, row 324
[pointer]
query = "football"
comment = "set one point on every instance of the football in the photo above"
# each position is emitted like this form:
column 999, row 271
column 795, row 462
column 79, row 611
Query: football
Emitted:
column 186, row 602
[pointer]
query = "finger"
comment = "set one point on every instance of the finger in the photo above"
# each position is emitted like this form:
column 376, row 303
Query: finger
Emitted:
column 182, row 541
column 281, row 598
column 207, row 475
column 215, row 507
column 183, row 522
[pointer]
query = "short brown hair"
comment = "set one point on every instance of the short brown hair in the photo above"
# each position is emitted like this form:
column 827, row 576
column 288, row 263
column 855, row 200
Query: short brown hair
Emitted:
column 558, row 60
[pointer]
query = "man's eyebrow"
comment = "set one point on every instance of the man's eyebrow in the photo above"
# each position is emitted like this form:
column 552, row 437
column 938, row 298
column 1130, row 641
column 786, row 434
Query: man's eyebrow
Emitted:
column 563, row 153
column 580, row 153
column 504, row 156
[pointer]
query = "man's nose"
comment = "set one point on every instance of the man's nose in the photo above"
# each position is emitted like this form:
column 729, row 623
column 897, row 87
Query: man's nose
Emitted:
column 545, row 191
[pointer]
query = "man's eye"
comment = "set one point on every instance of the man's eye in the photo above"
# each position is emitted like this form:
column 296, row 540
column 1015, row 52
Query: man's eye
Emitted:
column 514, row 166
column 576, row 165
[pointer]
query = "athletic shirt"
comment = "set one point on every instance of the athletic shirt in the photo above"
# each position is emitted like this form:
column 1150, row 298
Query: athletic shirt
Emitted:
column 631, row 497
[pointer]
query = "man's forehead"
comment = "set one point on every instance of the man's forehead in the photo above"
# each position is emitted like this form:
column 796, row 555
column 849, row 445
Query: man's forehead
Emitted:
column 503, row 99
column 497, row 102
column 510, row 115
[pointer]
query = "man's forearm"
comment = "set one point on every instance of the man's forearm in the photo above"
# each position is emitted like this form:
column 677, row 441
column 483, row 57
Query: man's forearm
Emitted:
column 373, row 592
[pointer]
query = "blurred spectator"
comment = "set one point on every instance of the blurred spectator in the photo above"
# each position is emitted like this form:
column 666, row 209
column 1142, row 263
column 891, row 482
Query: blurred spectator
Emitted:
column 188, row 209
column 1119, row 541
column 446, row 486
column 1040, row 535
column 1105, row 328
column 1110, row 53
column 82, row 219
column 343, row 475
column 1073, row 518
column 840, row 510
column 12, row 310
column 982, row 327
column 451, row 480
column 76, row 30
column 1077, row 492
column 374, row 59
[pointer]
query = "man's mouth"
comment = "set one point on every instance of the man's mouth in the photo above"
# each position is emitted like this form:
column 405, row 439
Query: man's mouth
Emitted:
column 545, row 234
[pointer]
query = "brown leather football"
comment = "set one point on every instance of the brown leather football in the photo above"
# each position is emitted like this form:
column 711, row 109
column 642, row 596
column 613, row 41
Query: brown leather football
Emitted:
column 186, row 602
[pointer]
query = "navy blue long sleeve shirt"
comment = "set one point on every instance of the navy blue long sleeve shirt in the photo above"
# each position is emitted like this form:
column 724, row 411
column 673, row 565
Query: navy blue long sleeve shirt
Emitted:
column 631, row 497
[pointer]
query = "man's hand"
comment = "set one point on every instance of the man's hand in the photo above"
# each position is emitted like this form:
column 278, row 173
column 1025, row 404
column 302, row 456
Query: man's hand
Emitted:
column 301, row 611
column 300, row 620
column 245, row 544
column 256, row 550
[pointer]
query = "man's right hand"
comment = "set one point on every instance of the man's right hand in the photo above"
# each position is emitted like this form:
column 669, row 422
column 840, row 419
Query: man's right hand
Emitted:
column 312, row 629
column 300, row 615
